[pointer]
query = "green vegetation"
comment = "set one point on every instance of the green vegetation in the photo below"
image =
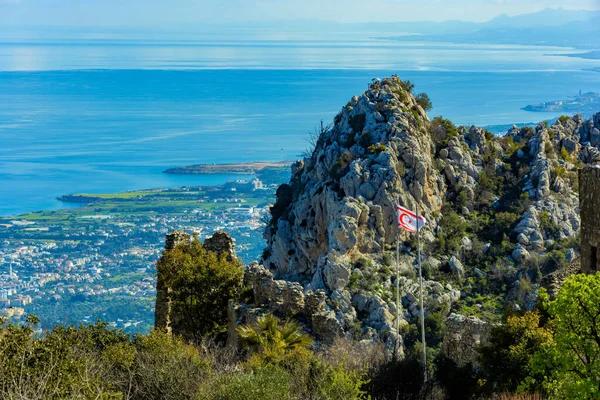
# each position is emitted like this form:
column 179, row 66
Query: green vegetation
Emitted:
column 376, row 149
column 365, row 140
column 506, row 359
column 564, row 153
column 357, row 122
column 201, row 285
column 424, row 101
column 569, row 366
column 272, row 340
column 442, row 130
column 94, row 362
column 563, row 118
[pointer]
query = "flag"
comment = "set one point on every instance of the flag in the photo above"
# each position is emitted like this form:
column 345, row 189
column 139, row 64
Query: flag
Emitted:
column 409, row 221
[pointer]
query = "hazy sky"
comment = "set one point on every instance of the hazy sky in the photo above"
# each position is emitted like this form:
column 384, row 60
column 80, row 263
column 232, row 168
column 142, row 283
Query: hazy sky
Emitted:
column 134, row 13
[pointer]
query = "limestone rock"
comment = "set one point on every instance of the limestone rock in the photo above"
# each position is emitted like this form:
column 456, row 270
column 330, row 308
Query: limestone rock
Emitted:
column 456, row 266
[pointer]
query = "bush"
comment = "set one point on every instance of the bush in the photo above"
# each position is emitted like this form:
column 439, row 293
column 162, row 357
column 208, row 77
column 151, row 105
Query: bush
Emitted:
column 407, row 85
column 424, row 101
column 157, row 366
column 357, row 122
column 54, row 367
column 376, row 149
column 201, row 285
column 365, row 140
column 563, row 118
column 442, row 130
column 265, row 383
column 458, row 382
column 506, row 358
column 569, row 367
column 564, row 153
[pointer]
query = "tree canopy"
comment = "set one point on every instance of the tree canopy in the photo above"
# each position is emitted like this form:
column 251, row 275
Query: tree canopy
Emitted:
column 201, row 285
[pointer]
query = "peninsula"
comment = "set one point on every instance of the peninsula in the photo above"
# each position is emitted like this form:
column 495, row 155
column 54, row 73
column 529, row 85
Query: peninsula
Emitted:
column 249, row 168
column 582, row 103
column 266, row 171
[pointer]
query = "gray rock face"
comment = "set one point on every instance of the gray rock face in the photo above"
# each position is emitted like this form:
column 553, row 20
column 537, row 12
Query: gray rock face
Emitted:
column 463, row 336
column 381, row 152
column 520, row 254
column 456, row 266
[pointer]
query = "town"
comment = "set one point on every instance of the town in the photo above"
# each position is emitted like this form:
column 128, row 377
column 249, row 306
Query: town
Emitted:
column 79, row 265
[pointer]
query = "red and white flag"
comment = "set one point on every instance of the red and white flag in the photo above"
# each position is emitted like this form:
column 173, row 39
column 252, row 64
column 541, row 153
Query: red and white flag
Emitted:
column 409, row 221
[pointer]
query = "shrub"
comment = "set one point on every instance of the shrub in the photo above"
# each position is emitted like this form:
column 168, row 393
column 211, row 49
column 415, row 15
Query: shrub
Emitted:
column 407, row 85
column 564, row 153
column 269, row 382
column 424, row 101
column 157, row 366
column 342, row 162
column 547, row 224
column 376, row 149
column 506, row 358
column 272, row 339
column 349, row 141
column 202, row 283
column 53, row 367
column 569, row 366
column 365, row 140
column 458, row 382
column 357, row 122
column 339, row 384
column 563, row 118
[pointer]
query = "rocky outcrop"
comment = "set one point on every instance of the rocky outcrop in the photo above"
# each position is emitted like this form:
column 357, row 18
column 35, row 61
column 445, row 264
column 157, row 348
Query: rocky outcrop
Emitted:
column 463, row 336
column 333, row 231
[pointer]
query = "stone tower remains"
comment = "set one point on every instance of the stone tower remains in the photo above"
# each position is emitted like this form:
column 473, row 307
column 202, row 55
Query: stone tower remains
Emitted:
column 219, row 243
column 589, row 204
column 162, row 309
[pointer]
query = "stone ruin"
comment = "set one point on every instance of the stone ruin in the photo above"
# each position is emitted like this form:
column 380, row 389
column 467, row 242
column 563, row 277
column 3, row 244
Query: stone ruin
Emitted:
column 220, row 242
column 589, row 204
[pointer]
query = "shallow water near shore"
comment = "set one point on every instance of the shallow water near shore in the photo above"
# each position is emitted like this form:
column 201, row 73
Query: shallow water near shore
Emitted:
column 108, row 130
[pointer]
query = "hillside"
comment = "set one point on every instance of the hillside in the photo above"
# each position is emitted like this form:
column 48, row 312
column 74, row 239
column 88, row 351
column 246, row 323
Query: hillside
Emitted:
column 502, row 213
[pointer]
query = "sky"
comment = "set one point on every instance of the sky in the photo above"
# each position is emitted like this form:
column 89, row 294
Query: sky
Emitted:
column 144, row 13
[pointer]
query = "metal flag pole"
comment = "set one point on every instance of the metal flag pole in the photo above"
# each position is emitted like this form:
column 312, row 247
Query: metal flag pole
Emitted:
column 421, row 295
column 397, row 347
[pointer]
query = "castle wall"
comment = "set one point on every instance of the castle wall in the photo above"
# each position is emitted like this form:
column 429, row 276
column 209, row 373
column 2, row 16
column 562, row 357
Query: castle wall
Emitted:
column 162, row 310
column 589, row 203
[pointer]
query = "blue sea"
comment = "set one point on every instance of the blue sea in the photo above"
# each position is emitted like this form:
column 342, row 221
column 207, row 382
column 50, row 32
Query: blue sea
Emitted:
column 104, row 116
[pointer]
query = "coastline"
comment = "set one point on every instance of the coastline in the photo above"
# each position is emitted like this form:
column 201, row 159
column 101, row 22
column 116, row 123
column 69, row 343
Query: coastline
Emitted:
column 247, row 168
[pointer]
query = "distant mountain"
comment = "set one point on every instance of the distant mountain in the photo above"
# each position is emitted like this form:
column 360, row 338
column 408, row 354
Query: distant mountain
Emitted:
column 546, row 17
column 550, row 27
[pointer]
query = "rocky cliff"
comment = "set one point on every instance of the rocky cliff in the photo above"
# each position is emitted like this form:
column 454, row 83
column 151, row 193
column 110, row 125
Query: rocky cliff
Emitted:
column 501, row 211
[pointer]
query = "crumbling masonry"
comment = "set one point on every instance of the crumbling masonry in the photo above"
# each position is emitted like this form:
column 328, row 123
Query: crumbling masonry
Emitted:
column 589, row 204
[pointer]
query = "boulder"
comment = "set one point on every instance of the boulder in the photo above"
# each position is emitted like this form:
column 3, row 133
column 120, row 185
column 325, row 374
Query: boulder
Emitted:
column 456, row 266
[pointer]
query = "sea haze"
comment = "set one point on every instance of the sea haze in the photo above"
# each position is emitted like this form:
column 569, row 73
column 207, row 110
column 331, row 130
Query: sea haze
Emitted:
column 110, row 116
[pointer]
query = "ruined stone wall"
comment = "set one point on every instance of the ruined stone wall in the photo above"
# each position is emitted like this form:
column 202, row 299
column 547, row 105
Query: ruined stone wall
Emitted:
column 163, row 303
column 589, row 203
column 219, row 243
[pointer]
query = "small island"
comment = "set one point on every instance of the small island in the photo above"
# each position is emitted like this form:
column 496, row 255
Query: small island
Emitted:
column 582, row 103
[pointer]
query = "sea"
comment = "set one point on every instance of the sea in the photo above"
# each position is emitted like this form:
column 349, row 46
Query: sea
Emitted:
column 103, row 116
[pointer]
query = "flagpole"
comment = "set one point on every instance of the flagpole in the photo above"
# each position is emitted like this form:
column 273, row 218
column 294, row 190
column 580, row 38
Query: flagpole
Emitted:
column 421, row 296
column 397, row 349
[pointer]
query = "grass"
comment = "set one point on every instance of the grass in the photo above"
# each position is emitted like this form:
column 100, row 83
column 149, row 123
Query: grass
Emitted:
column 132, row 277
column 138, row 194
